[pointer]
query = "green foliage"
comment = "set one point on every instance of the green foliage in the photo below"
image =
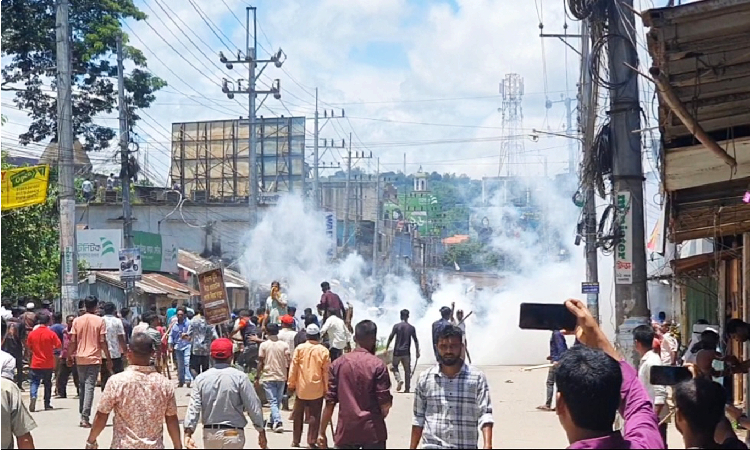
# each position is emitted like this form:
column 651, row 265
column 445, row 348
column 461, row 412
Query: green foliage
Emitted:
column 29, row 45
column 29, row 242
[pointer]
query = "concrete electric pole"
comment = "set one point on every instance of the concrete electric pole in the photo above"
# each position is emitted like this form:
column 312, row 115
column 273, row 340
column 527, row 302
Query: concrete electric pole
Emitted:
column 250, row 59
column 347, row 188
column 631, row 305
column 127, row 219
column 587, row 101
column 316, row 152
column 376, row 231
column 66, row 161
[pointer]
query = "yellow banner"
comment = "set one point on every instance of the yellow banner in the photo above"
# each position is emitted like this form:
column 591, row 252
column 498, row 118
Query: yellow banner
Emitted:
column 24, row 186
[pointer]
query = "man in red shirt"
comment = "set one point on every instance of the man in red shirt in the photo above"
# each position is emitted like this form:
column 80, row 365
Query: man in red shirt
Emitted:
column 42, row 343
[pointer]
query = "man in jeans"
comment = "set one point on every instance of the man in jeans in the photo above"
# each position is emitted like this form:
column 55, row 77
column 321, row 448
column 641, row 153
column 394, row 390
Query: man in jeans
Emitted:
column 179, row 344
column 404, row 332
column 42, row 343
column 64, row 371
column 557, row 347
column 116, row 343
column 201, row 336
column 274, row 358
column 88, row 339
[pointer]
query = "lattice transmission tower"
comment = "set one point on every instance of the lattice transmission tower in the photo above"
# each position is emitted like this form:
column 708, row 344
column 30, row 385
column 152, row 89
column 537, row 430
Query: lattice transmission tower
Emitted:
column 512, row 148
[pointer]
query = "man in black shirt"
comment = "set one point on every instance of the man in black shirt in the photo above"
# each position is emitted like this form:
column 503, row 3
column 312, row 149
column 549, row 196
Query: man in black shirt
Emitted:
column 404, row 332
column 437, row 327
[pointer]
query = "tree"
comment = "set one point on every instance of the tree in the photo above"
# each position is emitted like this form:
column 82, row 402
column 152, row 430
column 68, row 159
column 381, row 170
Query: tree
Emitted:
column 30, row 247
column 29, row 42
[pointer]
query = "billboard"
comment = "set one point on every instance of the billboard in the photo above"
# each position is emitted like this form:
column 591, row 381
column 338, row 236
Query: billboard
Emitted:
column 210, row 160
column 330, row 218
column 131, row 267
column 99, row 248
column 24, row 186
column 158, row 252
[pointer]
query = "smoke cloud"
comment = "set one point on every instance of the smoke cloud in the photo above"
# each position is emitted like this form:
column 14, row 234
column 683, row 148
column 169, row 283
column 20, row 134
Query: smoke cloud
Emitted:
column 290, row 245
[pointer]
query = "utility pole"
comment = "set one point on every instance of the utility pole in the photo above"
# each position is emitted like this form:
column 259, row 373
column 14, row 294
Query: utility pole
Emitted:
column 347, row 199
column 587, row 102
column 127, row 219
column 250, row 59
column 317, row 194
column 569, row 131
column 631, row 307
column 316, row 160
column 66, row 168
column 376, row 231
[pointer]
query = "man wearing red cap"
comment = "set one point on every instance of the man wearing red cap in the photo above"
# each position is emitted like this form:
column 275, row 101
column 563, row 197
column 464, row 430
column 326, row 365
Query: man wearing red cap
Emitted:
column 288, row 332
column 221, row 396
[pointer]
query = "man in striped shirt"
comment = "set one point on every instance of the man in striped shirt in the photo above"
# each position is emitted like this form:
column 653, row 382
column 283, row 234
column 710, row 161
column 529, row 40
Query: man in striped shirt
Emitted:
column 460, row 387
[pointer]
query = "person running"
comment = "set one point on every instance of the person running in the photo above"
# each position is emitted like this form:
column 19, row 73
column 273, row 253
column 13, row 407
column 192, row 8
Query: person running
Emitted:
column 179, row 346
column 308, row 378
column 274, row 359
column 88, row 339
column 16, row 420
column 452, row 400
column 359, row 383
column 437, row 327
column 65, row 371
column 42, row 343
column 404, row 332
column 201, row 335
column 557, row 348
column 330, row 302
column 338, row 335
column 276, row 305
column 116, row 343
column 220, row 397
column 142, row 401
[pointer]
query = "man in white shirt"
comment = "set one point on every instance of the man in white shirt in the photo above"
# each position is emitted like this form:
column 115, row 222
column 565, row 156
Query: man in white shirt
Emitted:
column 338, row 335
column 88, row 190
column 669, row 346
column 111, row 180
column 644, row 341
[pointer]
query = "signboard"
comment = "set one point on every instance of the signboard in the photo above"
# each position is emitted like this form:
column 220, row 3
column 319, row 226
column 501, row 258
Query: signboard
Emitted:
column 158, row 252
column 214, row 296
column 99, row 248
column 131, row 267
column 331, row 233
column 68, row 268
column 589, row 288
column 24, row 186
column 624, row 249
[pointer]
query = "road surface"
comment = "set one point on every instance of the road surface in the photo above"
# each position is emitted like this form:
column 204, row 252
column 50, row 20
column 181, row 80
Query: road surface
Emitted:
column 515, row 396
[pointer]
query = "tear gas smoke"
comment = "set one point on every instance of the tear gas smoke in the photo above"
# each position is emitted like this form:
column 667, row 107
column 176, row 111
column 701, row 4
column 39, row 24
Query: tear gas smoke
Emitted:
column 290, row 245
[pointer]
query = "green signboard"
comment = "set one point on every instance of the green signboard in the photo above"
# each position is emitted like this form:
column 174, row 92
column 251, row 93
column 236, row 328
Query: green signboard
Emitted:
column 158, row 253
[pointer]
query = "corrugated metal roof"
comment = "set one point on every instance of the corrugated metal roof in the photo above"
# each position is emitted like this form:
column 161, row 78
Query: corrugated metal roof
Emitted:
column 151, row 283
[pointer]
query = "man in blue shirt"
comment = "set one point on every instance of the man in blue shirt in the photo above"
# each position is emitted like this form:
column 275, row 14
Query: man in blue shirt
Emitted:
column 179, row 344
column 171, row 312
column 557, row 348
column 437, row 328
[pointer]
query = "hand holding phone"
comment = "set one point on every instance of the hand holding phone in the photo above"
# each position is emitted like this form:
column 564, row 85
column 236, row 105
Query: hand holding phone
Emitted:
column 669, row 375
column 540, row 316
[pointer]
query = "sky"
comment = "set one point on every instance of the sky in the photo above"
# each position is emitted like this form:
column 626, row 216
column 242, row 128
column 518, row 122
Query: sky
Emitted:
column 410, row 75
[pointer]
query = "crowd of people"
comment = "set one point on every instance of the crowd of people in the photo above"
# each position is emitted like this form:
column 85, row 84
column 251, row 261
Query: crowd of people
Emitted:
column 330, row 368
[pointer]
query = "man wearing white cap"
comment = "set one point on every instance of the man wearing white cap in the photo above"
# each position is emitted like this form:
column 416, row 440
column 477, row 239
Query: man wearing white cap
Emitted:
column 308, row 377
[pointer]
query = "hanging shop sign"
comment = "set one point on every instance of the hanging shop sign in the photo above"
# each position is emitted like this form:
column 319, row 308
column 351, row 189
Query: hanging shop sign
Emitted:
column 24, row 186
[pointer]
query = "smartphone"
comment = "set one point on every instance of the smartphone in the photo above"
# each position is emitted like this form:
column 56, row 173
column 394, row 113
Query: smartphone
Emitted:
column 669, row 375
column 542, row 316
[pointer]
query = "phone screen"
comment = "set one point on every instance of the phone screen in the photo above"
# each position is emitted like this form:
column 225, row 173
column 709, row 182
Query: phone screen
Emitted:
column 669, row 375
column 542, row 316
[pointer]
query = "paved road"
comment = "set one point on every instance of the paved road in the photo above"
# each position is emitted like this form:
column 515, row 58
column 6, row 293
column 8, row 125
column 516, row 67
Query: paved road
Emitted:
column 515, row 396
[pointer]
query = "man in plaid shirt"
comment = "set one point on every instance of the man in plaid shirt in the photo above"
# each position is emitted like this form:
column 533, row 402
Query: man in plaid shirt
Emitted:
column 452, row 400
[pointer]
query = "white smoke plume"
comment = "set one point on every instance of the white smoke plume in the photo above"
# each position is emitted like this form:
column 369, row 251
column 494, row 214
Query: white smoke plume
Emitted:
column 290, row 245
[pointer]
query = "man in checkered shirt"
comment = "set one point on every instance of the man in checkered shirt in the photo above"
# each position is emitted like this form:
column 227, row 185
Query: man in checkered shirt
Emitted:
column 460, row 388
